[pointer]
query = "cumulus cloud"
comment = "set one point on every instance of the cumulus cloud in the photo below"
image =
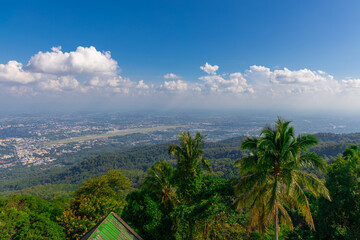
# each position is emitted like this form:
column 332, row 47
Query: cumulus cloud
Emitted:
column 171, row 76
column 85, row 60
column 116, row 84
column 279, row 82
column 209, row 69
column 261, row 82
column 13, row 72
column 142, row 85
column 303, row 76
column 217, row 84
column 61, row 84
column 286, row 76
column 258, row 73
column 175, row 86
column 60, row 71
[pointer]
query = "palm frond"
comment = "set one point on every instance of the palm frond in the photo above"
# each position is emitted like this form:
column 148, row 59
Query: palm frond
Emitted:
column 247, row 164
column 298, row 199
column 250, row 143
column 312, row 160
column 286, row 219
column 311, row 183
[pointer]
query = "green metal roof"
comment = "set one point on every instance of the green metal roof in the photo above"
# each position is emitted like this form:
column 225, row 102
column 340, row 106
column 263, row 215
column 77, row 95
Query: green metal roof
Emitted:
column 110, row 228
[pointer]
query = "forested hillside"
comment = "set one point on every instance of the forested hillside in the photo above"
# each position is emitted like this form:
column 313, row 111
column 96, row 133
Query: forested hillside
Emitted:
column 135, row 161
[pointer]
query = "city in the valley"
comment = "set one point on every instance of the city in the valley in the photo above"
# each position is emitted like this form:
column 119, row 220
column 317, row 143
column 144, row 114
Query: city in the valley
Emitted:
column 37, row 140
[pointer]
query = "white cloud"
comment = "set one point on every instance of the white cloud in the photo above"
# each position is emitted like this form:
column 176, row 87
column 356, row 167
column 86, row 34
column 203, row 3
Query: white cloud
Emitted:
column 63, row 83
column 85, row 60
column 286, row 76
column 303, row 76
column 258, row 73
column 124, row 90
column 60, row 71
column 116, row 84
column 285, row 81
column 175, row 86
column 171, row 76
column 95, row 73
column 95, row 82
column 209, row 69
column 351, row 83
column 113, row 82
column 217, row 84
column 100, row 82
column 142, row 85
column 13, row 72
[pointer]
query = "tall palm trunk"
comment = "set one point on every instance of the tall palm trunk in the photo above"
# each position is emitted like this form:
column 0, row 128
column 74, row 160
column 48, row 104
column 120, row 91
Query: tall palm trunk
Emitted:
column 191, row 232
column 276, row 223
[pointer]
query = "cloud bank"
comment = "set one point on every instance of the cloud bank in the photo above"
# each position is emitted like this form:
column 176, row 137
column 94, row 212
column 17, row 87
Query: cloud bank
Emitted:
column 89, row 72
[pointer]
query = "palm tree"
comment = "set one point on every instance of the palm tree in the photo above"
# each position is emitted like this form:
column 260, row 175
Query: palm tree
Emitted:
column 273, row 177
column 158, row 180
column 190, row 159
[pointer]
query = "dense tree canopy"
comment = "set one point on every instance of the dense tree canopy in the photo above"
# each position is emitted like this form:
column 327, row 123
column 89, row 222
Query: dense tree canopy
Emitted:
column 197, row 205
column 94, row 200
column 340, row 219
column 26, row 217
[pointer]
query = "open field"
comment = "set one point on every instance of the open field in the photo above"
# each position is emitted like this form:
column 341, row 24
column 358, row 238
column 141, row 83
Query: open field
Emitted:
column 114, row 133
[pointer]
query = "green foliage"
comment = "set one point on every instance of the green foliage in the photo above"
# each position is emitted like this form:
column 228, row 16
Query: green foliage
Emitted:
column 301, row 230
column 211, row 216
column 160, row 181
column 84, row 213
column 273, row 177
column 26, row 217
column 190, row 159
column 146, row 214
column 113, row 184
column 94, row 201
column 47, row 191
column 351, row 152
column 340, row 219
column 184, row 203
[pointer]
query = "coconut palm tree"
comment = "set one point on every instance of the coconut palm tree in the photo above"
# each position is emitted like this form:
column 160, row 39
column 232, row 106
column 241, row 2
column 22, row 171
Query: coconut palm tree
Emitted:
column 273, row 176
column 158, row 180
column 190, row 159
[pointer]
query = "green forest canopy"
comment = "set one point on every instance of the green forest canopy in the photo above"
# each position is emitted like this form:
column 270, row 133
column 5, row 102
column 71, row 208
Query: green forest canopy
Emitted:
column 208, row 211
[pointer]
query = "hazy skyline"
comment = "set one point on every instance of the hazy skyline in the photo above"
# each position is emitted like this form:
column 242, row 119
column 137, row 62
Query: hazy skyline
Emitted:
column 189, row 55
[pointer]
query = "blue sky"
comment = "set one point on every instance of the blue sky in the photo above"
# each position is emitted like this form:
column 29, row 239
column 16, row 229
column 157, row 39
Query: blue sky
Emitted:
column 149, row 39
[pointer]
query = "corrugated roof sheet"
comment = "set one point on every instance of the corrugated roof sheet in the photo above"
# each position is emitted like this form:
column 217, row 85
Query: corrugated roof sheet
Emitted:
column 110, row 228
